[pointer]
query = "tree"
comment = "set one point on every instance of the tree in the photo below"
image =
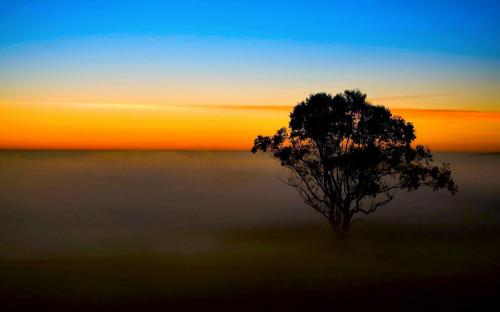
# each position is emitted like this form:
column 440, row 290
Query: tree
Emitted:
column 347, row 157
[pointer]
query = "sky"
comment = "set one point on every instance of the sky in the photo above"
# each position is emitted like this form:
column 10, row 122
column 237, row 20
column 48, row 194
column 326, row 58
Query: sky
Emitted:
column 214, row 74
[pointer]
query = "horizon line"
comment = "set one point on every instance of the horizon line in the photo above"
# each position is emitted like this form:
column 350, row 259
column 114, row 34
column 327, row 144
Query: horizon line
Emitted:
column 77, row 149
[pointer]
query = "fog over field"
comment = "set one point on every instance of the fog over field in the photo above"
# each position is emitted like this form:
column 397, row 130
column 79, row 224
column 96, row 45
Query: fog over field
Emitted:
column 98, row 203
column 148, row 230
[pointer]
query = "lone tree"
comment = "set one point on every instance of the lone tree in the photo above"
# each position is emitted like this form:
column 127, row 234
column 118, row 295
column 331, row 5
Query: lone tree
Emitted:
column 347, row 157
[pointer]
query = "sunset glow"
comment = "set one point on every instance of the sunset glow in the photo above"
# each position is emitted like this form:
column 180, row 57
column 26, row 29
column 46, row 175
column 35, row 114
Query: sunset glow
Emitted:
column 249, row 155
column 183, row 81
column 97, row 126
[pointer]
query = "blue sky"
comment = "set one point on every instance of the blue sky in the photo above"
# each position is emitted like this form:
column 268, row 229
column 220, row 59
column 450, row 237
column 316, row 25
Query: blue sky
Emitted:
column 458, row 27
column 250, row 52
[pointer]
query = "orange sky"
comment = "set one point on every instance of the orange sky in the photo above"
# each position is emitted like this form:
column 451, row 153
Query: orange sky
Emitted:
column 108, row 126
column 196, row 92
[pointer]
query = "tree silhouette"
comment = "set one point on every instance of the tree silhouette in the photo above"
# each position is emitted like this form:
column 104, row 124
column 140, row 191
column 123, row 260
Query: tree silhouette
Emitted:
column 347, row 157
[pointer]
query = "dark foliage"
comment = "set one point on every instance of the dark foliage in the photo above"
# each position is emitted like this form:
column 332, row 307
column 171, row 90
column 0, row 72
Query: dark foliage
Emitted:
column 347, row 156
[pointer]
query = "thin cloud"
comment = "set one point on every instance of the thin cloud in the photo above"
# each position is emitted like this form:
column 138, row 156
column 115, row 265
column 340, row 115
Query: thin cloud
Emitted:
column 283, row 108
column 119, row 106
column 408, row 97
column 443, row 111
column 170, row 106
column 279, row 108
column 272, row 108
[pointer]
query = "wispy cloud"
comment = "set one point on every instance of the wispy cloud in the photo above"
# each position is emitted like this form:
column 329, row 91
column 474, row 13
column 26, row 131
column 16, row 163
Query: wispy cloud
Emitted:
column 119, row 106
column 408, row 97
column 280, row 108
column 443, row 111
column 187, row 106
column 286, row 108
column 272, row 108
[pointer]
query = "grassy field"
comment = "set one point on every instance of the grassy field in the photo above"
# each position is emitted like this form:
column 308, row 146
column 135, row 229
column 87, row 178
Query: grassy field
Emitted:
column 382, row 267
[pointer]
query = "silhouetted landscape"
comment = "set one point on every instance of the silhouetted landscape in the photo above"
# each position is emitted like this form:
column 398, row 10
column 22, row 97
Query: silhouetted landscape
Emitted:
column 264, row 155
column 105, row 230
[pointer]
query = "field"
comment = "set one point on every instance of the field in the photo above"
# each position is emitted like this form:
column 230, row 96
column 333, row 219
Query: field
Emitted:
column 105, row 232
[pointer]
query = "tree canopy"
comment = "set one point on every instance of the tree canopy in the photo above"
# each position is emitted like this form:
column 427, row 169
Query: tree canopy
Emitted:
column 348, row 157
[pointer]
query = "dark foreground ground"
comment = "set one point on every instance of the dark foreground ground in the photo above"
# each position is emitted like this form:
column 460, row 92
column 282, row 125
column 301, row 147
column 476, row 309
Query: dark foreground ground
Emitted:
column 167, row 231
column 383, row 267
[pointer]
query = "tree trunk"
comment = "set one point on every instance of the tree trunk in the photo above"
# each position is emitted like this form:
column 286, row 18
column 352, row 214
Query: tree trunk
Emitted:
column 340, row 234
column 346, row 224
column 341, row 228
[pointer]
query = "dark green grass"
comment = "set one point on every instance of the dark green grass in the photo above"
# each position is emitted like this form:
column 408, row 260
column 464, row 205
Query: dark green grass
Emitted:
column 296, row 267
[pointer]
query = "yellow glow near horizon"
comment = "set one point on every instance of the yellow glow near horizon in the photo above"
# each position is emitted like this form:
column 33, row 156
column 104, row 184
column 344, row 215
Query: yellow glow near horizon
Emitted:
column 132, row 126
column 449, row 130
column 109, row 127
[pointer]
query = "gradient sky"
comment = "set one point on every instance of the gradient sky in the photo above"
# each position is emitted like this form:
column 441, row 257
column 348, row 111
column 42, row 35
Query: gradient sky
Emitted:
column 212, row 75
